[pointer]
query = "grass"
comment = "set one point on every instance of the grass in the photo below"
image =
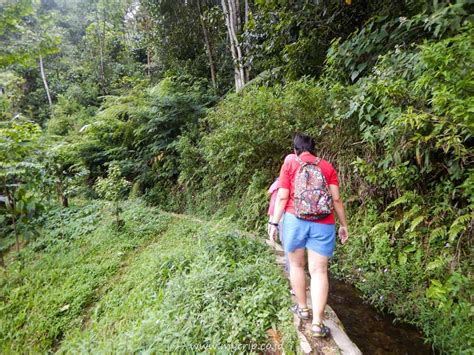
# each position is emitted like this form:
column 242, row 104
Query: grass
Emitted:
column 161, row 283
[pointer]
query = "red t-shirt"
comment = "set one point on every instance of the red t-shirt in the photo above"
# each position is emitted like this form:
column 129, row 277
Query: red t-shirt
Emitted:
column 287, row 179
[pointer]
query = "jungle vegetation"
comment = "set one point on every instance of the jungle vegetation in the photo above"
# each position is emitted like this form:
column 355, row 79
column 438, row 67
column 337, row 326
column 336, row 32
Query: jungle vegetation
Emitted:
column 115, row 114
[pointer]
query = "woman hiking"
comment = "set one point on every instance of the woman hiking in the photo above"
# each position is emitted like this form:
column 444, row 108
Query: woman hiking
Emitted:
column 308, row 196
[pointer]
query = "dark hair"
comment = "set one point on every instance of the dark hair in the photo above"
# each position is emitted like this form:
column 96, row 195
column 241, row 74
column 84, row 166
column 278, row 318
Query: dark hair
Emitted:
column 303, row 143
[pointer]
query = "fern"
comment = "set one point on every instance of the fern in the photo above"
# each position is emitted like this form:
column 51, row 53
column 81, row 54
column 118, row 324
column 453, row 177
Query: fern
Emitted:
column 416, row 222
column 380, row 227
column 438, row 233
column 459, row 225
column 438, row 263
column 411, row 213
column 405, row 198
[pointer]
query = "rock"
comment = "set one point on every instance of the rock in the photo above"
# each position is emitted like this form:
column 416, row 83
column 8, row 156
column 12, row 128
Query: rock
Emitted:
column 64, row 308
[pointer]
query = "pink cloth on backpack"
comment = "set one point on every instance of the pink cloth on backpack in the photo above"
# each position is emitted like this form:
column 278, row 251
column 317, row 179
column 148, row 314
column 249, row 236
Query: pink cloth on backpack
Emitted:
column 273, row 190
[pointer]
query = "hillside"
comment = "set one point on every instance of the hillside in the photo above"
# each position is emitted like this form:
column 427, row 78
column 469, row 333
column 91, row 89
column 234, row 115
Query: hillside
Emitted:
column 161, row 283
column 119, row 117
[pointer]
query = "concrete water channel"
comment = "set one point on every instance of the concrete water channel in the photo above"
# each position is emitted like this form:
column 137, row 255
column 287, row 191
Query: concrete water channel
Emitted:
column 356, row 327
column 371, row 331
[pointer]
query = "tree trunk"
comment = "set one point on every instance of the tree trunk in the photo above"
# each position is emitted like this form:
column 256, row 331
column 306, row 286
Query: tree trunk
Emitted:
column 146, row 27
column 117, row 217
column 45, row 82
column 101, row 52
column 148, row 62
column 246, row 20
column 235, row 4
column 17, row 238
column 12, row 204
column 232, row 18
column 62, row 197
column 65, row 201
column 246, row 12
column 208, row 45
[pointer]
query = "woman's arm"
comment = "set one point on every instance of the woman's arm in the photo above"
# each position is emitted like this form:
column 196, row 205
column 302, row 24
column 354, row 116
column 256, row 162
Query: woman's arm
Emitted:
column 280, row 204
column 341, row 214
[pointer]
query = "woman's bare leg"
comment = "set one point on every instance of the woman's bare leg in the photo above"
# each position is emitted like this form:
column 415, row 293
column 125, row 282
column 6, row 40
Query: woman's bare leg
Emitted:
column 318, row 269
column 297, row 276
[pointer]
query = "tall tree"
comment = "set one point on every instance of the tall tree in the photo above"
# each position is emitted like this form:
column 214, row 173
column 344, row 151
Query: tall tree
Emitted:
column 100, row 33
column 187, row 38
column 30, row 37
column 207, row 41
column 234, row 23
column 45, row 81
column 45, row 42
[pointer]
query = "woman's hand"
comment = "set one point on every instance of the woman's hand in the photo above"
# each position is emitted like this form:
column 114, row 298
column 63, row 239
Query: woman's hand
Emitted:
column 341, row 214
column 343, row 234
column 280, row 204
column 272, row 232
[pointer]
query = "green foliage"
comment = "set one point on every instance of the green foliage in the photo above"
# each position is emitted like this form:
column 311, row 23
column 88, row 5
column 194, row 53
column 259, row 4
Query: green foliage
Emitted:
column 12, row 20
column 400, row 138
column 139, row 131
column 113, row 188
column 245, row 139
column 184, row 52
column 418, row 275
column 291, row 38
column 414, row 109
column 19, row 140
column 86, row 48
column 347, row 61
column 392, row 111
column 68, row 116
column 411, row 252
column 74, row 290
column 78, row 256
column 10, row 85
column 20, row 177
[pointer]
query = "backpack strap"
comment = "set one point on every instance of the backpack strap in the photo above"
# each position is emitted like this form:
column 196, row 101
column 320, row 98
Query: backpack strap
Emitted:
column 298, row 159
column 316, row 162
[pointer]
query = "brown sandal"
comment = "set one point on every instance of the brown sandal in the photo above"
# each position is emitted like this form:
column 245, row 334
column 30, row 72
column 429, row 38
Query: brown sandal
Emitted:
column 322, row 331
column 302, row 313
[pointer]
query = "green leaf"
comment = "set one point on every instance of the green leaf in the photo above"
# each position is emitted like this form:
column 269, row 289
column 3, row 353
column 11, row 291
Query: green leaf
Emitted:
column 402, row 258
column 437, row 233
column 458, row 226
column 436, row 291
column 410, row 248
column 416, row 222
column 436, row 264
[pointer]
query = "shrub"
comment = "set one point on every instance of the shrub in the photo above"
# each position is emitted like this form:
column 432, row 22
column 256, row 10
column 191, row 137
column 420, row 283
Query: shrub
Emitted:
column 401, row 139
column 244, row 140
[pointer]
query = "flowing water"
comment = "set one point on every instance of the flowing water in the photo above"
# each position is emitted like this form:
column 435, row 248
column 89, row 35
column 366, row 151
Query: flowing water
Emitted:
column 374, row 333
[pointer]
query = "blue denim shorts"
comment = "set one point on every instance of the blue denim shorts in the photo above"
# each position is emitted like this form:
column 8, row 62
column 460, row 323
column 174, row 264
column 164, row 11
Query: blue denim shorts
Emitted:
column 299, row 233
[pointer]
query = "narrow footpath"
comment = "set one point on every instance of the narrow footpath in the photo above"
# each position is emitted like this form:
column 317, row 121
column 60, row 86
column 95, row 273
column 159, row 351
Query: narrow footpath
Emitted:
column 337, row 343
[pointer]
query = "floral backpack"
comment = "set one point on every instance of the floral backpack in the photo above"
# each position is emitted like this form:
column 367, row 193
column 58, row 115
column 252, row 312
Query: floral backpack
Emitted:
column 312, row 200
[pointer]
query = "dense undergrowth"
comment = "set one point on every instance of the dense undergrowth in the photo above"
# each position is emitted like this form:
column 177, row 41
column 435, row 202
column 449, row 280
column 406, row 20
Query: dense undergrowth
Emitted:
column 160, row 283
column 401, row 139
column 392, row 110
